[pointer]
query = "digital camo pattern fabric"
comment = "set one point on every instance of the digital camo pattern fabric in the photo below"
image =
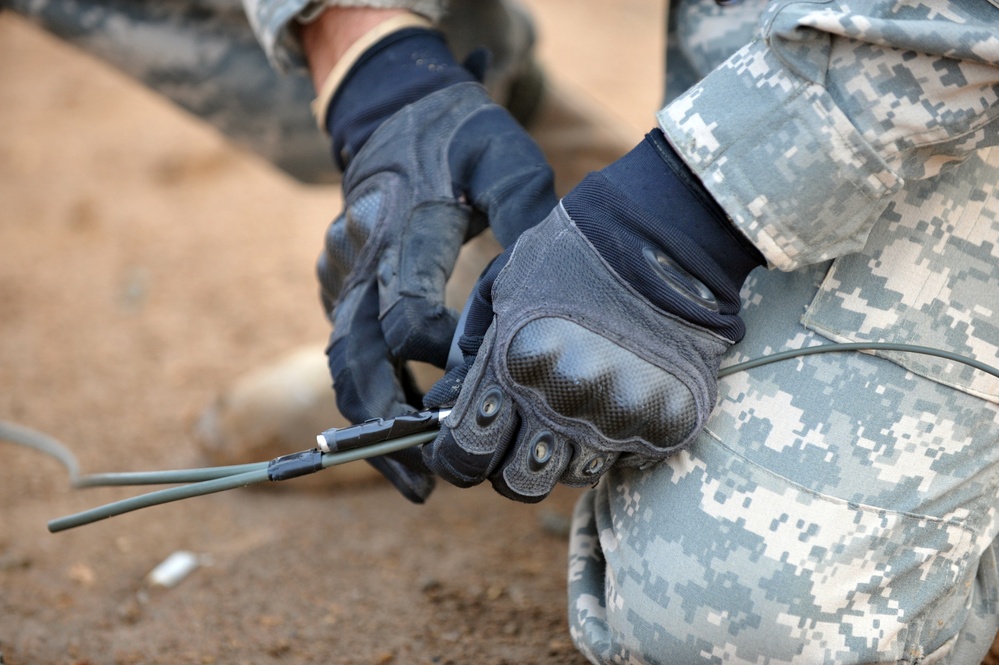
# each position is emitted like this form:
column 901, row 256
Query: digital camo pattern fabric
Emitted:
column 928, row 276
column 838, row 508
column 273, row 21
column 855, row 101
column 701, row 34
column 203, row 56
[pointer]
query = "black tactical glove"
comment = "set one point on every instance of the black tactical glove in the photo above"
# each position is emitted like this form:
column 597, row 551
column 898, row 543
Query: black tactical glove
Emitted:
column 597, row 339
column 429, row 161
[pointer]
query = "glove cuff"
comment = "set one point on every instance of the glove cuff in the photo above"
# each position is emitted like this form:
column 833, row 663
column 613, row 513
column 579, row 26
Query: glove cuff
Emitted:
column 321, row 104
column 660, row 231
column 398, row 70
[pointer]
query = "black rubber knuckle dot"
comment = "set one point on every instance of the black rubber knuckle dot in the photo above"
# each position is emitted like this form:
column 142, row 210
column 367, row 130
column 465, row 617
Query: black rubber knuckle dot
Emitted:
column 542, row 448
column 489, row 406
column 594, row 466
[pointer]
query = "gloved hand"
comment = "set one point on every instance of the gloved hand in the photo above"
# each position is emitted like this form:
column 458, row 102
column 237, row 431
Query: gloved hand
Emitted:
column 597, row 339
column 429, row 162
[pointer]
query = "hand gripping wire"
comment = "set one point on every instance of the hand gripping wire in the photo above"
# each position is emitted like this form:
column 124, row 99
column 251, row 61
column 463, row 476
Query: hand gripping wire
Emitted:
column 335, row 447
column 340, row 446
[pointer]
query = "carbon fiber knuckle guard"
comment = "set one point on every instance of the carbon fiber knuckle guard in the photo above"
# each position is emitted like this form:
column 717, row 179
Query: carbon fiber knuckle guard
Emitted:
column 582, row 376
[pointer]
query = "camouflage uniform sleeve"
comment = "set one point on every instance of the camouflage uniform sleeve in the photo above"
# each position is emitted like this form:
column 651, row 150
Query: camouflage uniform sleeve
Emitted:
column 272, row 21
column 805, row 133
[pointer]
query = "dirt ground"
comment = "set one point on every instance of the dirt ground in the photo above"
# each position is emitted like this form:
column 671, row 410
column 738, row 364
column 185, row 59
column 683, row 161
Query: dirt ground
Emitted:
column 145, row 265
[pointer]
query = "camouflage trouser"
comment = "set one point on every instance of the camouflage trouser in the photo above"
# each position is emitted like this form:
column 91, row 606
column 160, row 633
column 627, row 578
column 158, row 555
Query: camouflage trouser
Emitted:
column 837, row 509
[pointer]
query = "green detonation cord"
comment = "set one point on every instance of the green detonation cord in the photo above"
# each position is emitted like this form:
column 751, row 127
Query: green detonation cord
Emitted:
column 208, row 481
column 858, row 346
column 221, row 478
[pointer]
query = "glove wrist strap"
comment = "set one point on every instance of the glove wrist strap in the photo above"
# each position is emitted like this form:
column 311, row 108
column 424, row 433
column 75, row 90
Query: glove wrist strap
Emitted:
column 321, row 104
column 653, row 223
column 401, row 68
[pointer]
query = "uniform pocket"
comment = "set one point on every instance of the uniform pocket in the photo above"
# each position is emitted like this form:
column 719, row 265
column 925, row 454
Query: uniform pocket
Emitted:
column 928, row 276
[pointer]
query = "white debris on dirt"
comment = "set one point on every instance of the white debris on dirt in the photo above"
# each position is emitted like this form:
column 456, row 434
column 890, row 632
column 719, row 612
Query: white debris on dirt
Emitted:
column 173, row 570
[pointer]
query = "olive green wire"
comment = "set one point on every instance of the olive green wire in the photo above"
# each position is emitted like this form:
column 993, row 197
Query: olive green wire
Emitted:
column 228, row 482
column 165, row 477
column 857, row 346
column 218, row 479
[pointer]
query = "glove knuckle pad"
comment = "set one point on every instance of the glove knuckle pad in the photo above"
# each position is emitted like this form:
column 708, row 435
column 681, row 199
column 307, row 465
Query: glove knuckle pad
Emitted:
column 587, row 465
column 357, row 224
column 488, row 423
column 583, row 376
column 536, row 464
column 346, row 237
column 483, row 422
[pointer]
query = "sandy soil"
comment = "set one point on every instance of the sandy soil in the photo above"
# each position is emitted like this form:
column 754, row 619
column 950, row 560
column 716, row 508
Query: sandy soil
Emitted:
column 146, row 265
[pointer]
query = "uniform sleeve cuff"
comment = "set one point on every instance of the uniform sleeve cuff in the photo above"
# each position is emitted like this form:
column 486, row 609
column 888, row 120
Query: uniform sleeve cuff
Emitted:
column 273, row 20
column 781, row 158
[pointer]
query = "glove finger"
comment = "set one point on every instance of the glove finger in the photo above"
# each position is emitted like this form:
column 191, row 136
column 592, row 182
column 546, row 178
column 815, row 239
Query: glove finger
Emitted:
column 479, row 429
column 534, row 465
column 587, row 465
column 478, row 318
column 502, row 173
column 362, row 367
column 464, row 458
column 407, row 473
column 412, row 274
column 368, row 386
